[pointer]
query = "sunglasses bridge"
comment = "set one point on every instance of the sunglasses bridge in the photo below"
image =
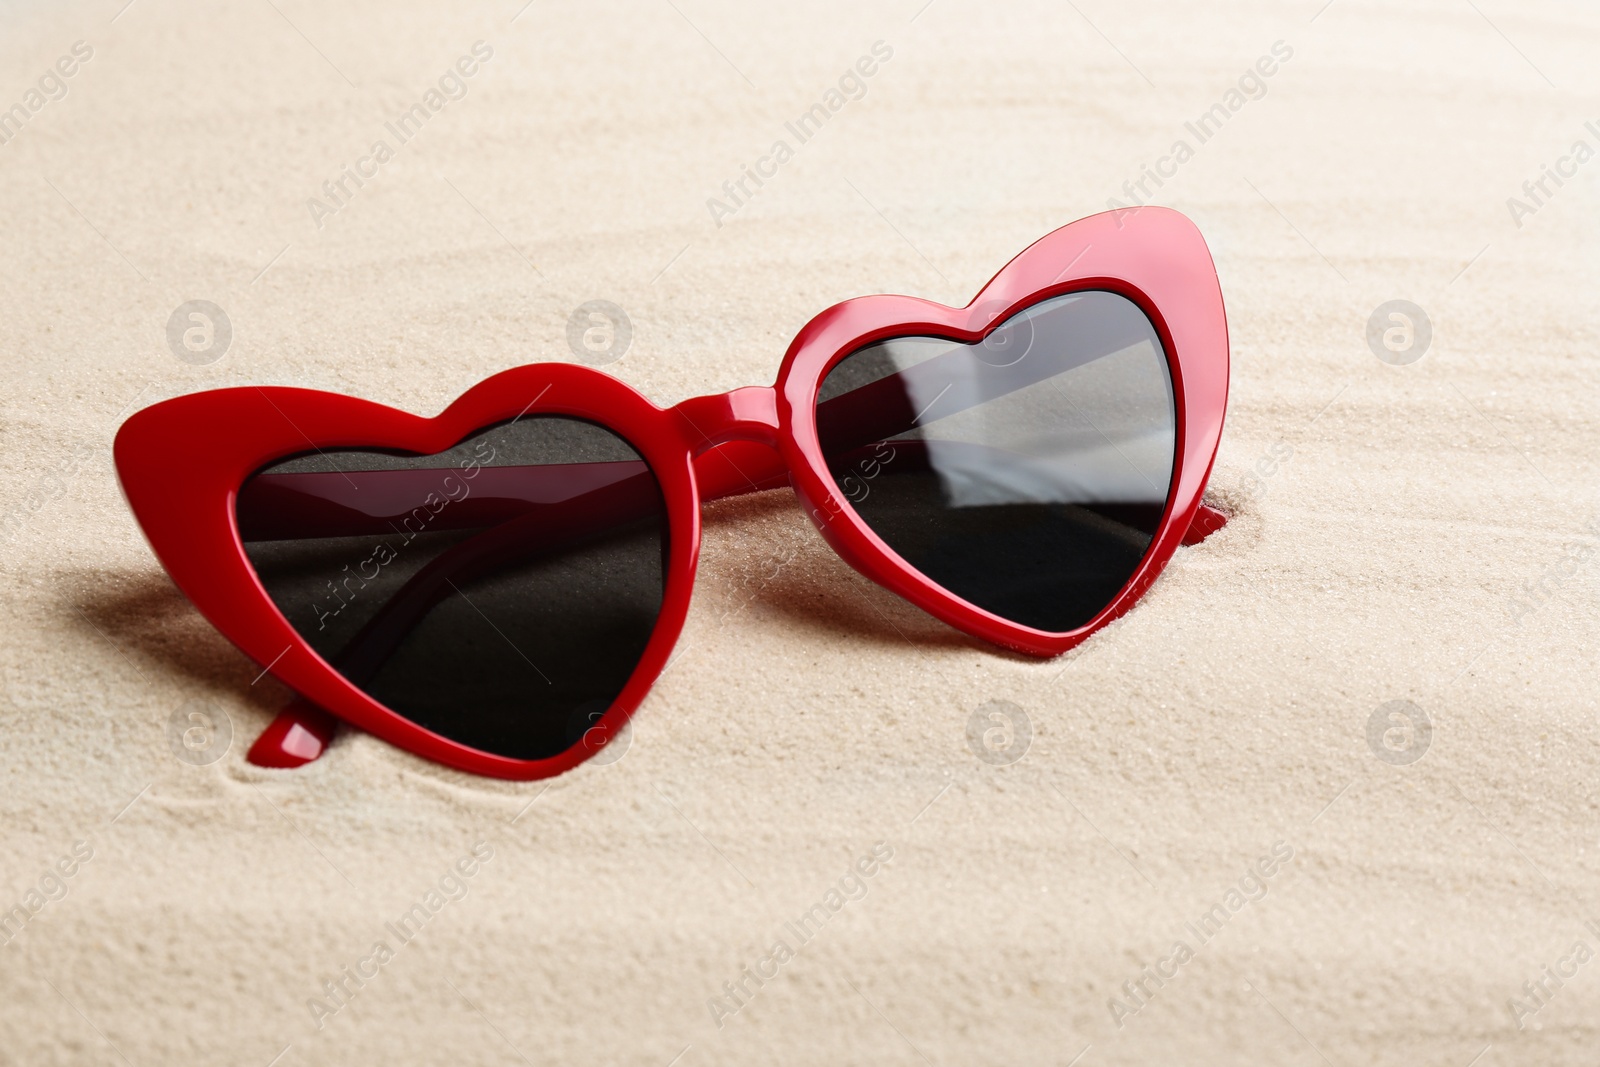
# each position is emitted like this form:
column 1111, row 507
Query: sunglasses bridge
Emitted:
column 734, row 437
column 747, row 414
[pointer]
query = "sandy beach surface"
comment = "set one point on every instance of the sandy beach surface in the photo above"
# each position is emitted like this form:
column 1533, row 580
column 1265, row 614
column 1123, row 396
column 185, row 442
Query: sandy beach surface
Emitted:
column 1328, row 795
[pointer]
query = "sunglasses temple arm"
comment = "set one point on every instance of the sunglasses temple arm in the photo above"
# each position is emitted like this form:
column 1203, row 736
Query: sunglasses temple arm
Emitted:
column 273, row 507
column 302, row 505
column 914, row 455
column 554, row 527
column 301, row 732
column 1207, row 521
column 306, row 504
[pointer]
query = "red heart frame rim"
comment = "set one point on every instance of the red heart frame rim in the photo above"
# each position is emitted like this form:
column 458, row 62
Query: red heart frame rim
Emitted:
column 182, row 461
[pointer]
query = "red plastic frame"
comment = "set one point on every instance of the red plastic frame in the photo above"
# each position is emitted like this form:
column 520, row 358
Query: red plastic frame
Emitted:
column 183, row 461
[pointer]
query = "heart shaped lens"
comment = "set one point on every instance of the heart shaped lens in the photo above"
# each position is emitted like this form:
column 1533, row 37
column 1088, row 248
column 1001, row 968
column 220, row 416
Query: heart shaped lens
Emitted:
column 1026, row 473
column 499, row 593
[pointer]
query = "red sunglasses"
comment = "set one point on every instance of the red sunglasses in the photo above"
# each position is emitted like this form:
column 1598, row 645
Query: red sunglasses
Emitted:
column 497, row 587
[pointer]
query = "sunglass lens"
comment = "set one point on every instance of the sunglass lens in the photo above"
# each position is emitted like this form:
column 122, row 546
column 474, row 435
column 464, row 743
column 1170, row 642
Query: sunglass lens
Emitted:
column 500, row 593
column 1026, row 473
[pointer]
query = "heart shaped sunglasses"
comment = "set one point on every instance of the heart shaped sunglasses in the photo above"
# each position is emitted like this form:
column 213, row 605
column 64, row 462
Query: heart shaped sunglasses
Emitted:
column 497, row 587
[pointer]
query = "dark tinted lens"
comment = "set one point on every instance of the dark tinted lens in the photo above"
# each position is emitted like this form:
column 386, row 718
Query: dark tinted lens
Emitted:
column 499, row 593
column 1027, row 473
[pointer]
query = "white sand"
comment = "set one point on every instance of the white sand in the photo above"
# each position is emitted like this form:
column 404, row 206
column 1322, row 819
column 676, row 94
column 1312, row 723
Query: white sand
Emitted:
column 1227, row 713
